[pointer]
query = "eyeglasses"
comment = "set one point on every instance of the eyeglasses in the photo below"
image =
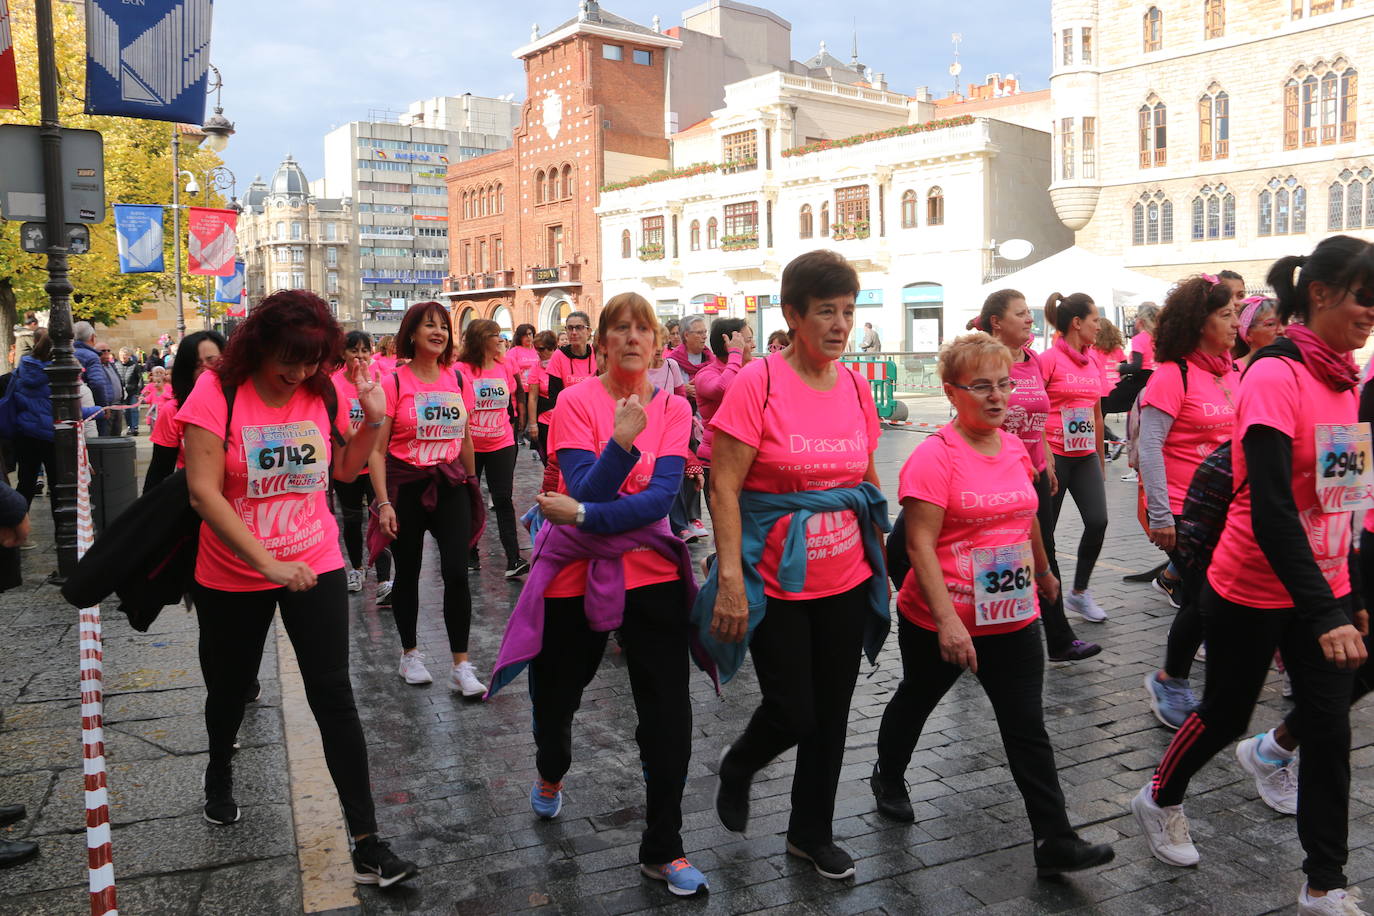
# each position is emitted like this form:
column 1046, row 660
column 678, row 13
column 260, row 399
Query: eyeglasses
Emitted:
column 983, row 389
column 105, row 350
column 575, row 327
column 1364, row 296
column 544, row 349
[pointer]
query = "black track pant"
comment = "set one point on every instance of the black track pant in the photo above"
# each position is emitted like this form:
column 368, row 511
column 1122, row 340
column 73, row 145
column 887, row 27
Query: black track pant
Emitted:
column 1082, row 476
column 1059, row 634
column 499, row 467
column 806, row 655
column 354, row 498
column 33, row 455
column 1186, row 632
column 451, row 525
column 654, row 638
column 233, row 628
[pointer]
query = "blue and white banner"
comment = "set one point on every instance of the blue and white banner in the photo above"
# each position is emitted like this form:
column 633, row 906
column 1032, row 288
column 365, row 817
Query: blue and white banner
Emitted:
column 138, row 229
column 230, row 288
column 148, row 59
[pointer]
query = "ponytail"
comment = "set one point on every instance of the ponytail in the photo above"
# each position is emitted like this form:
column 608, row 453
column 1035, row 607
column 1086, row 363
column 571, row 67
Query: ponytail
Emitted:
column 994, row 306
column 1060, row 311
column 1340, row 261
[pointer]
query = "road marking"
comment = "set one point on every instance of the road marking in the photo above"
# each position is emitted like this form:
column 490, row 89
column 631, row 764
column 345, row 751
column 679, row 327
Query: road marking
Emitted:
column 321, row 838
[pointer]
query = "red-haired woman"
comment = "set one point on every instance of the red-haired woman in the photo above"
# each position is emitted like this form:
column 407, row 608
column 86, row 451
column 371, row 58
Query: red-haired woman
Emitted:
column 260, row 447
column 420, row 471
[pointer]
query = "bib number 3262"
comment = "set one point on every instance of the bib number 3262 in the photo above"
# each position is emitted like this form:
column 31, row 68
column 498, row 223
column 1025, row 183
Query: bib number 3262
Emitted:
column 1344, row 472
column 1080, row 433
column 1003, row 584
column 285, row 458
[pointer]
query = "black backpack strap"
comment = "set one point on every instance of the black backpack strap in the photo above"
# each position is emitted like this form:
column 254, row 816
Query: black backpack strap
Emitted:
column 230, row 393
column 1183, row 371
column 331, row 405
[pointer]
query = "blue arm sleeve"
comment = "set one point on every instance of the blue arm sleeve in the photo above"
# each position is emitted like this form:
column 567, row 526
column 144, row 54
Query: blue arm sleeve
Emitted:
column 639, row 509
column 596, row 479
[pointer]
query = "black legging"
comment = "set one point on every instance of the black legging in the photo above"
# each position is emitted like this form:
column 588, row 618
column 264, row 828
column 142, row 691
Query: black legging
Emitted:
column 451, row 525
column 1059, row 635
column 542, row 443
column 1186, row 632
column 1082, row 476
column 31, row 454
column 354, row 498
column 500, row 470
column 233, row 627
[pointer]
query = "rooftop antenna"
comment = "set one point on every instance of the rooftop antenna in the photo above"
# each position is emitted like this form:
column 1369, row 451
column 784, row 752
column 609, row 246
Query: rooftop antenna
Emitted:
column 956, row 68
column 854, row 50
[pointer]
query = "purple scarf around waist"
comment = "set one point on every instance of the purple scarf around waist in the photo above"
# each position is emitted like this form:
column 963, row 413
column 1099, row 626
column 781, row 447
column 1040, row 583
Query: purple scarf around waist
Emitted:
column 452, row 474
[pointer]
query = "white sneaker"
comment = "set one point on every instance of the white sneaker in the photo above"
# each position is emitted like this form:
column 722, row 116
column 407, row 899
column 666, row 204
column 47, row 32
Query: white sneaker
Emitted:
column 1277, row 782
column 1082, row 604
column 1342, row 902
column 413, row 668
column 463, row 679
column 1132, row 474
column 355, row 580
column 1166, row 830
column 1287, row 688
column 384, row 589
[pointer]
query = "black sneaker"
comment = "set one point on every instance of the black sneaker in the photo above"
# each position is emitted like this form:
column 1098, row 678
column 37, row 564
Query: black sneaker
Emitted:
column 1169, row 588
column 1076, row 651
column 220, row 807
column 517, row 570
column 732, row 798
column 254, row 692
column 474, row 560
column 375, row 863
column 891, row 796
column 1070, row 853
column 830, row 860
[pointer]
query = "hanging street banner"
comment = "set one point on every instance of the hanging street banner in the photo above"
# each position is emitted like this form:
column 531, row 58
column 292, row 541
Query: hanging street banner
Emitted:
column 9, row 75
column 148, row 59
column 138, row 230
column 213, row 238
column 230, row 288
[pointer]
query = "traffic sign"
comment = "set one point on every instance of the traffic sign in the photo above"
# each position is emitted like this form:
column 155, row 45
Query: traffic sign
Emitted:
column 21, row 179
column 33, row 237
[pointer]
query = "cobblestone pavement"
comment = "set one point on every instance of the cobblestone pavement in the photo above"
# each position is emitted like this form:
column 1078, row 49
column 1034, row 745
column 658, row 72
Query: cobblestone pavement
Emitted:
column 452, row 778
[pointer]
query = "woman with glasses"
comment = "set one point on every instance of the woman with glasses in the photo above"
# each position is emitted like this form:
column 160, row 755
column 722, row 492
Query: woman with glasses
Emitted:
column 166, row 436
column 538, row 402
column 574, row 363
column 493, row 379
column 692, row 355
column 1257, row 327
column 969, row 600
column 354, row 496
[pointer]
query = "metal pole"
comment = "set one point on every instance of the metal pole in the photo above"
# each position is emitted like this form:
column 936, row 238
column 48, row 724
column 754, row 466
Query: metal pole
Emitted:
column 64, row 369
column 176, row 228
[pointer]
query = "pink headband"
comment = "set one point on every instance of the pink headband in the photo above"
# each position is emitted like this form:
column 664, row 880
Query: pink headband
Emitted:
column 1211, row 279
column 1253, row 305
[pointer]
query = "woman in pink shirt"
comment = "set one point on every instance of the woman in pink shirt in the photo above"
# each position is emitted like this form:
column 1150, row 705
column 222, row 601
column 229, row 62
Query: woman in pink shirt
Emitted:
column 420, row 470
column 354, row 496
column 1073, row 429
column 269, row 541
column 732, row 343
column 1186, row 410
column 1008, row 318
column 167, row 433
column 1143, row 343
column 494, row 385
column 1280, row 574
column 538, row 402
column 969, row 599
column 521, row 356
column 155, row 393
column 1258, row 327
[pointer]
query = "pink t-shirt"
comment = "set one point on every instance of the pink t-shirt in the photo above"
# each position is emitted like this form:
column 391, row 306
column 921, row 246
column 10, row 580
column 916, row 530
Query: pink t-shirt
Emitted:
column 1144, row 344
column 1282, row 394
column 1028, row 407
column 436, row 436
column 539, row 381
column 1107, row 364
column 348, row 398
column 805, row 440
column 1203, row 419
column 585, row 419
column 276, row 478
column 989, row 502
column 493, row 391
column 150, row 395
column 167, row 429
column 713, row 379
column 573, row 371
column 384, row 364
column 1074, row 391
column 521, row 359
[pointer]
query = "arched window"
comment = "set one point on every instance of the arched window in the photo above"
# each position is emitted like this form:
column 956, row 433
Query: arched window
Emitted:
column 463, row 204
column 1214, row 125
column 825, row 219
column 625, row 244
column 1319, row 105
column 712, row 232
column 491, row 199
column 539, row 186
column 1213, row 18
column 935, row 207
column 1154, row 29
column 482, row 201
column 1153, row 133
column 804, row 222
column 567, row 181
column 1152, row 219
column 1214, row 213
column 500, row 198
column 553, row 184
column 1283, row 208
column 694, row 235
column 908, row 209
column 1351, row 201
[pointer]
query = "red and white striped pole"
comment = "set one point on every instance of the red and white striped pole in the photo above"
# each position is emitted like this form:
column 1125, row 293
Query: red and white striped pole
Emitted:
column 99, row 850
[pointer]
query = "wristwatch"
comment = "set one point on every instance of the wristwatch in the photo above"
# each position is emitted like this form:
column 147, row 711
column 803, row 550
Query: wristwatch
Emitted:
column 581, row 515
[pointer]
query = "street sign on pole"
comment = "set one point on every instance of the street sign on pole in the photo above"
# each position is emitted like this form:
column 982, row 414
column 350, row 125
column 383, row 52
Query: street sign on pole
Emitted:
column 33, row 237
column 21, row 180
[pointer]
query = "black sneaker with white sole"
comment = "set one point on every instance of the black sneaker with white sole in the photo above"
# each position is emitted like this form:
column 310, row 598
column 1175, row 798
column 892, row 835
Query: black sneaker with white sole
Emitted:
column 375, row 863
column 830, row 860
column 517, row 570
column 220, row 807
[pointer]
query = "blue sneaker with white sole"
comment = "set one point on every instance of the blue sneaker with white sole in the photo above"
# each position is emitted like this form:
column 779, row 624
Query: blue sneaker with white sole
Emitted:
column 1171, row 700
column 682, row 877
column 546, row 798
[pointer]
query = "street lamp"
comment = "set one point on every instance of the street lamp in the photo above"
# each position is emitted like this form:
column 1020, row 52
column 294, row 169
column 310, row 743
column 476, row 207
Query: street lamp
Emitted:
column 219, row 178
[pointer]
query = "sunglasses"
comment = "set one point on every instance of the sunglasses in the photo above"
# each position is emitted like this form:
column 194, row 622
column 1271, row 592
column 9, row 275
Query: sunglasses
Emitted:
column 1364, row 296
column 544, row 349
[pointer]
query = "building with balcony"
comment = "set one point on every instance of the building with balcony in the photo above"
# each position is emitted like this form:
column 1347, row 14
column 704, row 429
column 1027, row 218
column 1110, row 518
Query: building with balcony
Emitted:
column 917, row 195
column 1192, row 136
column 291, row 239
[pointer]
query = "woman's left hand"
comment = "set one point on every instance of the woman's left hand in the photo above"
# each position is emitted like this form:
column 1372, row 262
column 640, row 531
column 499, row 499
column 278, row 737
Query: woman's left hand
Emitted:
column 1049, row 587
column 559, row 508
column 371, row 397
column 1164, row 538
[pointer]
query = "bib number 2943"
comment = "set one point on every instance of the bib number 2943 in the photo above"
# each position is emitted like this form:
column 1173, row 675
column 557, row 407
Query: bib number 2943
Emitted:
column 1344, row 472
column 1080, row 432
column 1003, row 584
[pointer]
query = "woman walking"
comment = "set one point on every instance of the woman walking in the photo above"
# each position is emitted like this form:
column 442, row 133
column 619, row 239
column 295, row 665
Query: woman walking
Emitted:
column 732, row 345
column 538, row 401
column 201, row 352
column 424, row 475
column 1257, row 327
column 260, row 447
column 354, row 496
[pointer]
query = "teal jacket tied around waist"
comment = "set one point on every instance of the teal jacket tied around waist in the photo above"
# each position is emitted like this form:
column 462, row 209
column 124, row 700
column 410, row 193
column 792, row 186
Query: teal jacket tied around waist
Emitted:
column 759, row 512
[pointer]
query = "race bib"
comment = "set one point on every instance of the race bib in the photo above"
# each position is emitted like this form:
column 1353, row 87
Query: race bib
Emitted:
column 1344, row 474
column 1080, row 435
column 1003, row 584
column 491, row 394
column 285, row 458
column 440, row 415
column 355, row 413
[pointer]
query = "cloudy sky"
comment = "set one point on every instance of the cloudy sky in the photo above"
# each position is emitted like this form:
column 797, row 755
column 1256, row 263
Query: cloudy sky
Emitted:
column 294, row 69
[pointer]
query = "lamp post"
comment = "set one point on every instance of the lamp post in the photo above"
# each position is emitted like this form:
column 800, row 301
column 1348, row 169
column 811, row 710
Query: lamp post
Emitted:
column 219, row 178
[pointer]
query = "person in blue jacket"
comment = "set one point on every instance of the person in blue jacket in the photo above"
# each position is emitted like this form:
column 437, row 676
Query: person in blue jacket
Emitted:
column 84, row 345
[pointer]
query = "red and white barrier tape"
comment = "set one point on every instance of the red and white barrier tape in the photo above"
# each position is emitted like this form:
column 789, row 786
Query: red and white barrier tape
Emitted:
column 99, row 850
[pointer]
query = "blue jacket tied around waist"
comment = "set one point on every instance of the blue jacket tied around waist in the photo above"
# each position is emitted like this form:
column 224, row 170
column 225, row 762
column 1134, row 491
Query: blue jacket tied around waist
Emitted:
column 759, row 512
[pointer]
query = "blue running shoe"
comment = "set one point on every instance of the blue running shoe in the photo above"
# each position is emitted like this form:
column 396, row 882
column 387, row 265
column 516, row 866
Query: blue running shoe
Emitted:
column 1171, row 700
column 681, row 876
column 546, row 798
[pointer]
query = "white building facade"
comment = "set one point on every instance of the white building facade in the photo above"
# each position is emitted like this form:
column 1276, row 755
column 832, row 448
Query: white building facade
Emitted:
column 792, row 164
column 1195, row 135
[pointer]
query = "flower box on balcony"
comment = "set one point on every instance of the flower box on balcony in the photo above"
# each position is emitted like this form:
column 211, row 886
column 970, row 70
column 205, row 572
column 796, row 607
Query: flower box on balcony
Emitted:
column 651, row 252
column 739, row 165
column 858, row 229
column 739, row 242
